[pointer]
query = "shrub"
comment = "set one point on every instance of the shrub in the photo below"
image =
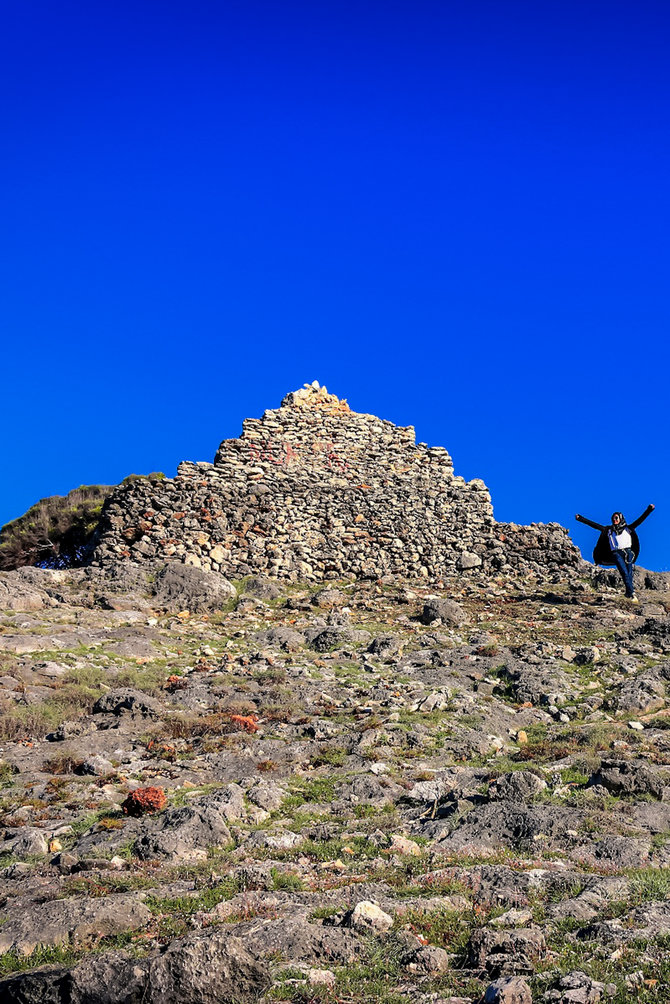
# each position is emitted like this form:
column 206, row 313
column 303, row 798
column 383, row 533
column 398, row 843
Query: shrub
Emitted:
column 63, row 763
column 174, row 683
column 69, row 701
column 190, row 726
column 143, row 801
column 57, row 532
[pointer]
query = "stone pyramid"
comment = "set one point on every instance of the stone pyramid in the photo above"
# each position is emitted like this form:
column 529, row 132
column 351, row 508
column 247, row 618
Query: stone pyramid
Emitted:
column 315, row 490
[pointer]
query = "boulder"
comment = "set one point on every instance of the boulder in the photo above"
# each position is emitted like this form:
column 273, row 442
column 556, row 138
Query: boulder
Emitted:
column 127, row 701
column 622, row 852
column 284, row 638
column 575, row 988
column 197, row 969
column 508, row 990
column 626, row 777
column 25, row 841
column 368, row 918
column 507, row 951
column 332, row 637
column 18, row 594
column 643, row 694
column 536, row 684
column 429, row 960
column 77, row 922
column 447, row 611
column 517, row 786
column 329, row 598
column 183, row 587
column 205, row 970
column 468, row 560
column 186, row 833
column 97, row 765
column 509, row 824
column 267, row 795
column 386, row 646
column 264, row 589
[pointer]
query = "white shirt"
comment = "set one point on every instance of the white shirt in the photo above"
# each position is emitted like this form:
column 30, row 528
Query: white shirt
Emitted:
column 623, row 539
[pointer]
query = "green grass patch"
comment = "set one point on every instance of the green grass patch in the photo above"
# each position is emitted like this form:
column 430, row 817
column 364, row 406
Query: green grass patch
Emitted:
column 372, row 980
column 649, row 885
column 302, row 790
column 185, row 906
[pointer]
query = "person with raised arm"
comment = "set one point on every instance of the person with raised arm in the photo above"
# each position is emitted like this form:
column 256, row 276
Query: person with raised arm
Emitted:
column 618, row 545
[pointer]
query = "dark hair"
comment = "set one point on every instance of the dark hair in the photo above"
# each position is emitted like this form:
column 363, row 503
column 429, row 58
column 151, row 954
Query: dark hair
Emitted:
column 621, row 519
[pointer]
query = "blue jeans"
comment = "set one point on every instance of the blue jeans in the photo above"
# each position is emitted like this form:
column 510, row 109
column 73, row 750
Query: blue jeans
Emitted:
column 625, row 561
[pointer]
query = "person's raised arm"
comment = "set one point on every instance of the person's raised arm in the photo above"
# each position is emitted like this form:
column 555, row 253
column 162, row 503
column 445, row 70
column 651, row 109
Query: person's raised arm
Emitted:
column 640, row 519
column 589, row 522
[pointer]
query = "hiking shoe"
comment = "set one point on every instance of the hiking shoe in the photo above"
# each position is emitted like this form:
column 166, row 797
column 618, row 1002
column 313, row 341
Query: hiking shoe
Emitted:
column 634, row 599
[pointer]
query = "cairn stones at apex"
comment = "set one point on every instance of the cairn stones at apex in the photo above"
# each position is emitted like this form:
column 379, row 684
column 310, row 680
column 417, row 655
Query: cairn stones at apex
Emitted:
column 314, row 490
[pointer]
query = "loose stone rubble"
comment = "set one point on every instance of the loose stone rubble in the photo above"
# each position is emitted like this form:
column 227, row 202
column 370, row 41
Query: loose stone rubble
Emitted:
column 314, row 490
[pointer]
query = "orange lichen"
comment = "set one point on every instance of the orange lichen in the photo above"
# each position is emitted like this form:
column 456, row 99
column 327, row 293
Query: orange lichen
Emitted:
column 245, row 723
column 143, row 801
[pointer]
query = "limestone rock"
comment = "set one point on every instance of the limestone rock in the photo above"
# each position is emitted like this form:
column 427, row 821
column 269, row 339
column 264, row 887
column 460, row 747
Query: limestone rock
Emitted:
column 19, row 594
column 401, row 845
column 518, row 786
column 25, row 841
column 127, row 701
column 508, row 990
column 181, row 587
column 72, row 921
column 506, row 951
column 205, row 970
column 367, row 917
column 644, row 694
column 186, row 833
column 430, row 960
column 575, row 988
column 625, row 777
column 284, row 638
column 98, row 765
column 467, row 560
column 448, row 611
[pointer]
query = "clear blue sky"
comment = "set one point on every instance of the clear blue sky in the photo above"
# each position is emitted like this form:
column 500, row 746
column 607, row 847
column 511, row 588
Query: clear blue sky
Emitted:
column 455, row 215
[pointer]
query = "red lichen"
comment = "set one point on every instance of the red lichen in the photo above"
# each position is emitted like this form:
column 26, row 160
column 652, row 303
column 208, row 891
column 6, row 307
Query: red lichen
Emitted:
column 144, row 800
column 245, row 723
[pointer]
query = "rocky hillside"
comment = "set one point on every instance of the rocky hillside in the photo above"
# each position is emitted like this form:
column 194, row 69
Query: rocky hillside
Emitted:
column 359, row 791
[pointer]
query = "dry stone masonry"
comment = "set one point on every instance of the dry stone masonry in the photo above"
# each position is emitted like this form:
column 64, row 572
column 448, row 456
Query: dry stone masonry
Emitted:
column 314, row 490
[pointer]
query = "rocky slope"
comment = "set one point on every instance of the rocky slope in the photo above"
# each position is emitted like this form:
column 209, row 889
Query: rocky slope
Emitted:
column 384, row 790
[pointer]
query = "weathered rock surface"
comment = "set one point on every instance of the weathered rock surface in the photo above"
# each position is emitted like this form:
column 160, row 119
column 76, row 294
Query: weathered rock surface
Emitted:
column 127, row 701
column 446, row 611
column 508, row 990
column 183, row 587
column 19, row 590
column 71, row 921
column 195, row 970
column 185, row 834
column 624, row 777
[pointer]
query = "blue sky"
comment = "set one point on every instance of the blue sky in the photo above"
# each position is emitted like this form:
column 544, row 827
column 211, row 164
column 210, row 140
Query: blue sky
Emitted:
column 454, row 215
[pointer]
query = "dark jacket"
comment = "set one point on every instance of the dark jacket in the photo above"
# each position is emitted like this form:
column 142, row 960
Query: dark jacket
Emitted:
column 602, row 552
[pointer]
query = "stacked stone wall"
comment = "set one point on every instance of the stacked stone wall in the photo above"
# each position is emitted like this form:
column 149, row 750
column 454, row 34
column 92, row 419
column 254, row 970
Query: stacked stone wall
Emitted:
column 313, row 490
